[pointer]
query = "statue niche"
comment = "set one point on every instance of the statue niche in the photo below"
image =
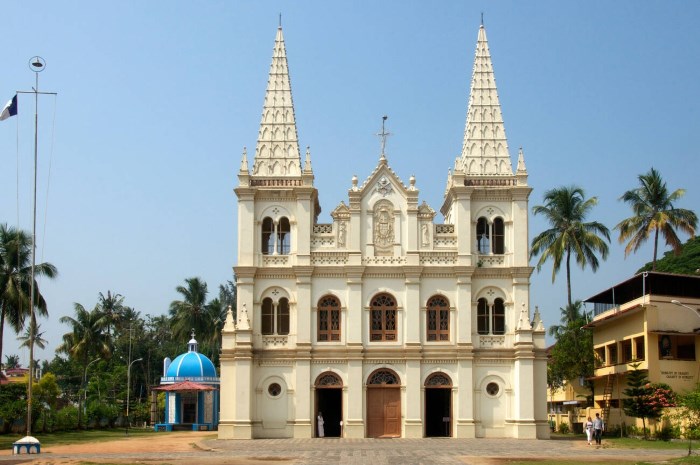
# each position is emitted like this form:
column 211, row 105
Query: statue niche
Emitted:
column 383, row 228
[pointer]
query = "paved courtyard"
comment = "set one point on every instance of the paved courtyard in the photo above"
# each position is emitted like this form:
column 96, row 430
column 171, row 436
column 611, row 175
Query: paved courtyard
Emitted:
column 198, row 449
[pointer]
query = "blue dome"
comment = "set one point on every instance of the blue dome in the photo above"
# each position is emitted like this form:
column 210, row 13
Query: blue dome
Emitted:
column 191, row 365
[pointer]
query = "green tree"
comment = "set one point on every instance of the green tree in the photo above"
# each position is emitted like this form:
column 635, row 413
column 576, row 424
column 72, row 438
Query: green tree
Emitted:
column 11, row 361
column 86, row 339
column 16, row 279
column 39, row 340
column 112, row 308
column 690, row 412
column 192, row 312
column 654, row 213
column 46, row 393
column 686, row 262
column 566, row 209
column 571, row 357
column 643, row 399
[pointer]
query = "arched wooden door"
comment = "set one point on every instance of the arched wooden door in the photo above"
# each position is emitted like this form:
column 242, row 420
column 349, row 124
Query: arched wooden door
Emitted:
column 383, row 405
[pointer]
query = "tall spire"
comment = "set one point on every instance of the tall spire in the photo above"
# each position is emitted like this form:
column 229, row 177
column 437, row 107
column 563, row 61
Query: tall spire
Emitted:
column 485, row 148
column 277, row 151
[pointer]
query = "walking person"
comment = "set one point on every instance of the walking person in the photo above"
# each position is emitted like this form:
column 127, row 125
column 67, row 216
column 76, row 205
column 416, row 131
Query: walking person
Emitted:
column 598, row 428
column 589, row 430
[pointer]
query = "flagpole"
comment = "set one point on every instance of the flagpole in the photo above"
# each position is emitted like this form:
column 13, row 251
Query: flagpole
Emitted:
column 37, row 65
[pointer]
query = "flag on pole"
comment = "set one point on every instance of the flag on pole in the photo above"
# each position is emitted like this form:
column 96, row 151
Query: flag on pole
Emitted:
column 10, row 109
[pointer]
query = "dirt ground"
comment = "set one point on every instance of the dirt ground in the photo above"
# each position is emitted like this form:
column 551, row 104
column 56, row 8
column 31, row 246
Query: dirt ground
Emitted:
column 172, row 442
column 188, row 441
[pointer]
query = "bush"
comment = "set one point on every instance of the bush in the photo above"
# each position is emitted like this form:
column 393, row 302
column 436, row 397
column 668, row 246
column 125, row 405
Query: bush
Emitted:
column 66, row 419
column 102, row 415
column 564, row 428
column 668, row 432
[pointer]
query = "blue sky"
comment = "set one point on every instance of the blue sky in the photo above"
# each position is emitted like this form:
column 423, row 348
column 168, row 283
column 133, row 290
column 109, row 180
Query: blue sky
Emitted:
column 157, row 99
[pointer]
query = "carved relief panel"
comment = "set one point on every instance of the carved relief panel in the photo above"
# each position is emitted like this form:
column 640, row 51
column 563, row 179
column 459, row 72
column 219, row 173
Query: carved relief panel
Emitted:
column 383, row 228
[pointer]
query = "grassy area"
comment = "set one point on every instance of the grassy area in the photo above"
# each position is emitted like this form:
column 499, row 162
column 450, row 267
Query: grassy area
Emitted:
column 632, row 443
column 75, row 437
column 692, row 460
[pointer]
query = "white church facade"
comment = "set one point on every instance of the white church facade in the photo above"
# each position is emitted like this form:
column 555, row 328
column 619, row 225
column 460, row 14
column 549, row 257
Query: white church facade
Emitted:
column 385, row 322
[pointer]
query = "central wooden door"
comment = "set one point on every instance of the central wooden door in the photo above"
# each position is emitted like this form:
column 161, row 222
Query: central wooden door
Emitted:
column 383, row 405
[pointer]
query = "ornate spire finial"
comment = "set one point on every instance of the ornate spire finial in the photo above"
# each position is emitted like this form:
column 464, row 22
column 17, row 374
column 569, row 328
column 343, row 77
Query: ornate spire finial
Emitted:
column 244, row 160
column 280, row 25
column 482, row 19
column 307, row 162
column 383, row 135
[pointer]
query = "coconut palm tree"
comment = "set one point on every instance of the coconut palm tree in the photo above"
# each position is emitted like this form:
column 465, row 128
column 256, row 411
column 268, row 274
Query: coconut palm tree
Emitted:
column 112, row 307
column 654, row 212
column 86, row 339
column 565, row 209
column 192, row 312
column 16, row 280
column 39, row 340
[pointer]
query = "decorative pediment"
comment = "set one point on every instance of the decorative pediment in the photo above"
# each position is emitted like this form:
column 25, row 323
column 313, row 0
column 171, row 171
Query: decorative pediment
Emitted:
column 384, row 181
column 425, row 212
column 341, row 212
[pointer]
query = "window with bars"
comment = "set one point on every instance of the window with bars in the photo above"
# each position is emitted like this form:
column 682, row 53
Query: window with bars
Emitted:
column 383, row 318
column 328, row 319
column 438, row 314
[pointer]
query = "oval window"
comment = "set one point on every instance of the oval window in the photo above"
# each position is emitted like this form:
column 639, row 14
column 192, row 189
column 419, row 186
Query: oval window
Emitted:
column 274, row 389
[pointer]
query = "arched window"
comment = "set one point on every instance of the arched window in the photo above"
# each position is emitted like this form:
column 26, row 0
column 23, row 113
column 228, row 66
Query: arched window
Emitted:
column 483, row 242
column 328, row 319
column 498, row 236
column 276, row 236
column 268, row 234
column 268, row 317
column 438, row 314
column 283, row 236
column 283, row 316
column 383, row 377
column 274, row 317
column 499, row 317
column 482, row 316
column 383, row 318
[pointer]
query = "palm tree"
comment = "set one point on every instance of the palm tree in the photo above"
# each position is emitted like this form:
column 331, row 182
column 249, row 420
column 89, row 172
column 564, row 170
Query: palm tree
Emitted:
column 566, row 209
column 15, row 279
column 572, row 316
column 11, row 361
column 39, row 341
column 112, row 307
column 654, row 213
column 86, row 339
column 192, row 313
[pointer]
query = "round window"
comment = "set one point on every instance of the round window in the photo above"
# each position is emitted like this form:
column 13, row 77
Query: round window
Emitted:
column 492, row 389
column 274, row 389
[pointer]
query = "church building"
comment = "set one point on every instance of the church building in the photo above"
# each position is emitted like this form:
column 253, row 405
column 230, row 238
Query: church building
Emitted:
column 385, row 322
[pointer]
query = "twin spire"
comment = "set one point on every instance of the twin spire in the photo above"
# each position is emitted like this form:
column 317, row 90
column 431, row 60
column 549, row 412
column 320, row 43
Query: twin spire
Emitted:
column 484, row 149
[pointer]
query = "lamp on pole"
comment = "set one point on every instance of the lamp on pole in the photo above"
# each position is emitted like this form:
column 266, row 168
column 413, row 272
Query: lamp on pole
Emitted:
column 128, row 391
column 84, row 409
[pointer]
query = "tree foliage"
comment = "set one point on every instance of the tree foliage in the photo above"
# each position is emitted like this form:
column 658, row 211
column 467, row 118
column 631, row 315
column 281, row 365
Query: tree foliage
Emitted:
column 571, row 357
column 16, row 279
column 687, row 261
column 654, row 214
column 646, row 400
column 566, row 209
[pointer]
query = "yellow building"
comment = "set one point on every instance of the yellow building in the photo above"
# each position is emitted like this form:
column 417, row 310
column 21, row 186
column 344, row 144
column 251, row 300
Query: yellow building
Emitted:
column 653, row 320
